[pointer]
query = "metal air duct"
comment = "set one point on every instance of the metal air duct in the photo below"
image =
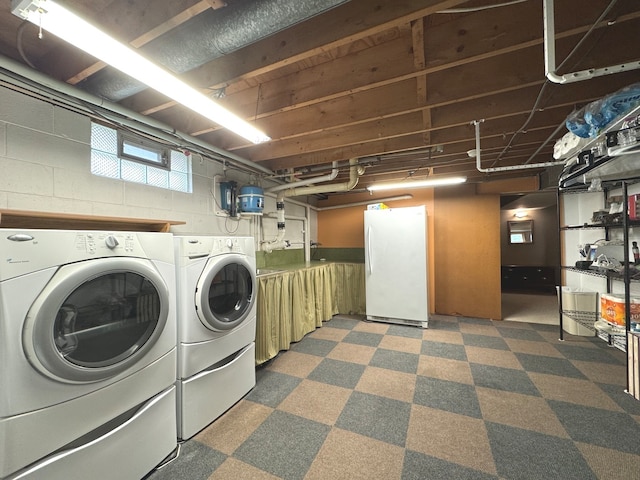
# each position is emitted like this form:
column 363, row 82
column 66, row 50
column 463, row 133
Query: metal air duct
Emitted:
column 207, row 36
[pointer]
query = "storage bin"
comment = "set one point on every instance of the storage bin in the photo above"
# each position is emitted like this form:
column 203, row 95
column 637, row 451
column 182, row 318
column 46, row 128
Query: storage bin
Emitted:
column 579, row 311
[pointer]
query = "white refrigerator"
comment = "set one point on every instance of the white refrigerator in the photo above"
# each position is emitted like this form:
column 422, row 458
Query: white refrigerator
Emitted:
column 396, row 265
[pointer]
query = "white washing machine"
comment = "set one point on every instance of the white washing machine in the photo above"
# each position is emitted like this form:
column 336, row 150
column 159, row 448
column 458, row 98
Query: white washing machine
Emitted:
column 216, row 278
column 88, row 353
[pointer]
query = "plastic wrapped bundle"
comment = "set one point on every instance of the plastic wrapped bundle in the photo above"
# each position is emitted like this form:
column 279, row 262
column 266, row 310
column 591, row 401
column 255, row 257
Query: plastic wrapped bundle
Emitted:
column 589, row 121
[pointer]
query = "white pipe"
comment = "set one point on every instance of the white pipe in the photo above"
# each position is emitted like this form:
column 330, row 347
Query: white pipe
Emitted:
column 305, row 234
column 550, row 55
column 308, row 181
column 354, row 175
column 503, row 169
column 278, row 242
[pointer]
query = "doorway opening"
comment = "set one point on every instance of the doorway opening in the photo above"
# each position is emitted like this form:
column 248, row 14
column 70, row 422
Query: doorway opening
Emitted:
column 529, row 270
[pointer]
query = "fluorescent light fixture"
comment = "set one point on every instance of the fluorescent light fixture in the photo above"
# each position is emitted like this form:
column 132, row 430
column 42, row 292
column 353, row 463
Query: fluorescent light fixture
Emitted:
column 429, row 182
column 62, row 23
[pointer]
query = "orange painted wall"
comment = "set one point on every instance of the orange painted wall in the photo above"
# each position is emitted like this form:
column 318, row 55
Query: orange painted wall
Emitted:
column 463, row 239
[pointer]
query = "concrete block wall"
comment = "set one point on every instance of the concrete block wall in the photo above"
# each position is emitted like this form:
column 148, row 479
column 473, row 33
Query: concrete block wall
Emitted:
column 45, row 166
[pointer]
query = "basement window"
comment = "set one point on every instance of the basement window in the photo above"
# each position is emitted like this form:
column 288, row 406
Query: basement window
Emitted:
column 143, row 151
column 133, row 159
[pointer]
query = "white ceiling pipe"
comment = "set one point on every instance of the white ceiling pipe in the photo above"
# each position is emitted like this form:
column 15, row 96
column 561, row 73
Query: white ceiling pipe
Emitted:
column 550, row 55
column 354, row 174
column 308, row 181
column 476, row 153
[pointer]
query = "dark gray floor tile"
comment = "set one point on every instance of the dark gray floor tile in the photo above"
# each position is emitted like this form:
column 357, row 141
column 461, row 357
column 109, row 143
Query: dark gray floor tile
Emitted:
column 484, row 341
column 500, row 378
column 526, row 455
column 284, row 445
column 521, row 334
column 418, row 466
column 442, row 323
column 337, row 372
column 195, row 461
column 405, row 331
column 376, row 417
column 622, row 398
column 342, row 322
column 314, row 346
column 550, row 365
column 394, row 360
column 444, row 350
column 363, row 338
column 590, row 354
column 542, row 327
column 615, row 430
column 449, row 396
column 272, row 387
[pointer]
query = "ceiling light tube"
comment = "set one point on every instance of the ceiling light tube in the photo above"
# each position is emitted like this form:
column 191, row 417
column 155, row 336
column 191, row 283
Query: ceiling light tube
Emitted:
column 429, row 182
column 59, row 21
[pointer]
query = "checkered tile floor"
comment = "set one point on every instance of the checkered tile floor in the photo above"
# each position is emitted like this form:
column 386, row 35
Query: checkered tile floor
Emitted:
column 464, row 399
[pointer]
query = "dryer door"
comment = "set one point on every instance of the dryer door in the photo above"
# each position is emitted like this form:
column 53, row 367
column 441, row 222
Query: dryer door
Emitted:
column 225, row 293
column 96, row 318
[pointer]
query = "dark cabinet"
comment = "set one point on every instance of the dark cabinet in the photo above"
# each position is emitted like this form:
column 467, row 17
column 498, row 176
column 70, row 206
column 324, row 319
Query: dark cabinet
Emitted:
column 516, row 278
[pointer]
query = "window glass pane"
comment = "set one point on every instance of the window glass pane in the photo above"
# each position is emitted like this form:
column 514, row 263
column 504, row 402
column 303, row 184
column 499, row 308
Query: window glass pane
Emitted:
column 141, row 152
column 107, row 319
column 179, row 182
column 230, row 293
column 104, row 139
column 158, row 177
column 105, row 164
column 178, row 162
column 133, row 171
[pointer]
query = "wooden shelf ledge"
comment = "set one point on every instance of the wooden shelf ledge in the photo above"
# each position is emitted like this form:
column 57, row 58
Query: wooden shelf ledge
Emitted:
column 70, row 221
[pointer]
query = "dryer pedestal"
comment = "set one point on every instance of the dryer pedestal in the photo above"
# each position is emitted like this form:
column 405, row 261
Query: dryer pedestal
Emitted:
column 207, row 395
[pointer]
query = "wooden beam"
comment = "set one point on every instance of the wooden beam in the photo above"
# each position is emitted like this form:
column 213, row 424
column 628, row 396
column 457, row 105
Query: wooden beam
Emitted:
column 419, row 63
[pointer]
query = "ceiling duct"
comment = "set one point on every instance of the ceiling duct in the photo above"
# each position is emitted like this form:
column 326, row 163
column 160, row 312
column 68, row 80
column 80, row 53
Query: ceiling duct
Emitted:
column 207, row 36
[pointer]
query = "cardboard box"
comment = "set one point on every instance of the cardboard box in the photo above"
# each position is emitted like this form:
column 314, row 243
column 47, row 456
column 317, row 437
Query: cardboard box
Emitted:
column 377, row 206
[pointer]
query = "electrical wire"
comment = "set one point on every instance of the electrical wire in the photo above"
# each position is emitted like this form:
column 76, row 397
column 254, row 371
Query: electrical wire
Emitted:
column 19, row 43
column 538, row 100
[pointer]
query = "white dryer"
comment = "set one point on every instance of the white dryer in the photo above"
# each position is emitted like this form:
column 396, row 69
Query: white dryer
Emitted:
column 88, row 353
column 216, row 278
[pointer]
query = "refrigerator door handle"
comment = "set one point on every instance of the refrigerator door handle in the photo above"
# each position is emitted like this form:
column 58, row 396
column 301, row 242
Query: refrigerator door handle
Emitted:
column 369, row 250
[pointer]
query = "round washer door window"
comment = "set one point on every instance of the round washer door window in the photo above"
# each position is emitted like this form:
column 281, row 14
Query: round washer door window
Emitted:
column 225, row 292
column 96, row 318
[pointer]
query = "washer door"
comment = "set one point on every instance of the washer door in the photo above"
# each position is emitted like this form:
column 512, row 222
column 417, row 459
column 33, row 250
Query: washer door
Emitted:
column 225, row 292
column 95, row 319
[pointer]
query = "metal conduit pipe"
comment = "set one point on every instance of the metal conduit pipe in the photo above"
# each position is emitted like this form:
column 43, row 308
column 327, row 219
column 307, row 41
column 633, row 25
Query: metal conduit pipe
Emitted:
column 210, row 35
column 476, row 153
column 308, row 181
column 38, row 83
column 550, row 53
